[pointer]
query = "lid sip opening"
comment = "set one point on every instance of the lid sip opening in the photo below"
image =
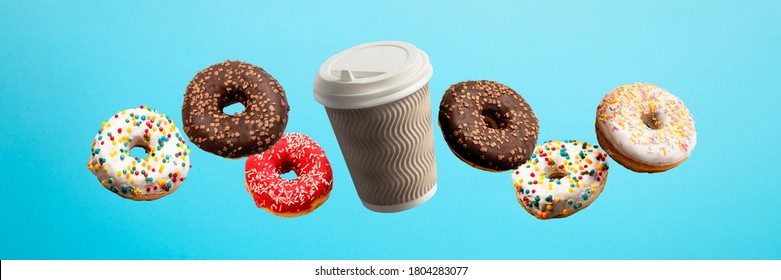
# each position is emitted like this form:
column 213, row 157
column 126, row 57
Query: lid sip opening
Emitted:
column 371, row 74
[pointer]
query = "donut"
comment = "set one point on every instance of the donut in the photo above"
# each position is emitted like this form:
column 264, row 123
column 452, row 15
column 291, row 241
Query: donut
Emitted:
column 645, row 128
column 159, row 174
column 252, row 131
column 488, row 125
column 290, row 198
column 560, row 178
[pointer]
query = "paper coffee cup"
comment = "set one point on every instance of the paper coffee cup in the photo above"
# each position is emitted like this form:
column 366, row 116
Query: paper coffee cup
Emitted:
column 377, row 98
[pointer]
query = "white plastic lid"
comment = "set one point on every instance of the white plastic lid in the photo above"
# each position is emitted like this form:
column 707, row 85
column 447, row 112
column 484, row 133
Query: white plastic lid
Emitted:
column 371, row 74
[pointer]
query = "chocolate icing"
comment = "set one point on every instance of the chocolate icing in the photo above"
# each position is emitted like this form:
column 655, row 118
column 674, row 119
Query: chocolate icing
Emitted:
column 488, row 125
column 239, row 135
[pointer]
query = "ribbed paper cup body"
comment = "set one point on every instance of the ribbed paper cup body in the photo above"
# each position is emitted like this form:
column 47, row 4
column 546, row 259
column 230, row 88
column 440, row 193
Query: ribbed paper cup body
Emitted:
column 388, row 145
column 389, row 150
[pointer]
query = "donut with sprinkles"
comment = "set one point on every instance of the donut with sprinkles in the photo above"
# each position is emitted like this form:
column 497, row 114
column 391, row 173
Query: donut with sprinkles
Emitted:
column 290, row 198
column 159, row 174
column 645, row 128
column 561, row 178
column 252, row 131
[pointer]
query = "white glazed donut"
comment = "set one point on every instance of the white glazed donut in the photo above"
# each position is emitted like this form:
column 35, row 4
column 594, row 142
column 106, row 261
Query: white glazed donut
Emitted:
column 561, row 178
column 161, row 173
column 645, row 128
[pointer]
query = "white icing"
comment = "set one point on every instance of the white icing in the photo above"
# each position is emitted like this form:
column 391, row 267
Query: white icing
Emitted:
column 585, row 174
column 620, row 119
column 145, row 178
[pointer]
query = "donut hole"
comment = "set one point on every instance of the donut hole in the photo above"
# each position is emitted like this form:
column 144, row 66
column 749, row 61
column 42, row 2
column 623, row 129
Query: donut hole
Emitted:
column 234, row 109
column 652, row 120
column 494, row 119
column 139, row 152
column 234, row 102
column 554, row 173
column 290, row 175
column 287, row 172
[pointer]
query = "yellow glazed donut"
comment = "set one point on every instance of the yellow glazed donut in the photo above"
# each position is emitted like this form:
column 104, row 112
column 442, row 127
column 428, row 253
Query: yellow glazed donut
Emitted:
column 560, row 178
column 153, row 177
column 645, row 128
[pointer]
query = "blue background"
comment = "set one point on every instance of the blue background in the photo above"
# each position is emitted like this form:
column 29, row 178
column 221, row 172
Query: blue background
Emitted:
column 66, row 66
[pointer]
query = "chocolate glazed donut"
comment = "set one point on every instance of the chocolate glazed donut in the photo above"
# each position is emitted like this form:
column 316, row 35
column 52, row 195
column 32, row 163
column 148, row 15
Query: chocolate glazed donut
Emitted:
column 488, row 125
column 252, row 131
